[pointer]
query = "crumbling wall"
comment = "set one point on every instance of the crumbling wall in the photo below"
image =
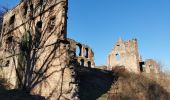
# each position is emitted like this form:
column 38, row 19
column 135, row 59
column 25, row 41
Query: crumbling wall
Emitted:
column 151, row 69
column 84, row 55
column 125, row 54
column 151, row 66
column 43, row 25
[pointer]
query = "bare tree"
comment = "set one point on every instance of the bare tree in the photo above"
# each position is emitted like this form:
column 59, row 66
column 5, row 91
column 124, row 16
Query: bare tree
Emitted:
column 34, row 53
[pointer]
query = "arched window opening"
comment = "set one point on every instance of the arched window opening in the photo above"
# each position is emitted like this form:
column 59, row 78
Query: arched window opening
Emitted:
column 41, row 2
column 4, row 27
column 31, row 11
column 86, row 53
column 78, row 50
column 142, row 66
column 7, row 63
column 9, row 42
column 82, row 62
column 38, row 31
column 89, row 64
column 11, row 22
column 39, row 25
column 10, row 39
column 117, row 56
column 25, row 10
column 51, row 23
column 31, row 7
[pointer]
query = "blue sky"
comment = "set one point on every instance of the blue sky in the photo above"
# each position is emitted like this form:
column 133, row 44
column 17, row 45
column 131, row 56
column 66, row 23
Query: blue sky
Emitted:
column 99, row 23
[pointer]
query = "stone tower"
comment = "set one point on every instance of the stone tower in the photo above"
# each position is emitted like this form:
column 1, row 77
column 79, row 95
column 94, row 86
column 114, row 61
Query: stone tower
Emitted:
column 125, row 54
column 35, row 51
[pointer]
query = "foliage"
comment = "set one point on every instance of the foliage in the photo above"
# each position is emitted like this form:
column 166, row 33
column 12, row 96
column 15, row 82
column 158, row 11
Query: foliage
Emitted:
column 24, row 45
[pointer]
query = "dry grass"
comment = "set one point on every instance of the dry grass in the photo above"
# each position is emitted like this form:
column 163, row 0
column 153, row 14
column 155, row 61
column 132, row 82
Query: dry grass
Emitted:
column 118, row 85
column 164, row 81
column 130, row 86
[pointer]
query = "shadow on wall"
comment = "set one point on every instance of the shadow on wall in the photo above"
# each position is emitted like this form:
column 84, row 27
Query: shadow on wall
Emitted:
column 37, row 41
column 93, row 82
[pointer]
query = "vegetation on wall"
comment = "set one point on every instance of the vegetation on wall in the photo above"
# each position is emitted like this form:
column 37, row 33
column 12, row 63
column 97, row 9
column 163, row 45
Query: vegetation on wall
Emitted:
column 22, row 57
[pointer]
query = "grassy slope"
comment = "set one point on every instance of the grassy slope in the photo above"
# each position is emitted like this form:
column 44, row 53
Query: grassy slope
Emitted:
column 98, row 84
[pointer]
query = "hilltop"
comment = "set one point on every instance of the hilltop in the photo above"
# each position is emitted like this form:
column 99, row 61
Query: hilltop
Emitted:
column 118, row 84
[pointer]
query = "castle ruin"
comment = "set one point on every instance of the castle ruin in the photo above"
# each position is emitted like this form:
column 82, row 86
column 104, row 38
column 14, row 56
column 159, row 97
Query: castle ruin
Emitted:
column 36, row 53
column 126, row 55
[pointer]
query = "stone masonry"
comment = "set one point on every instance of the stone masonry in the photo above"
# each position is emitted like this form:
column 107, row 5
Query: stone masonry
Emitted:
column 125, row 54
column 52, row 59
column 84, row 54
column 150, row 68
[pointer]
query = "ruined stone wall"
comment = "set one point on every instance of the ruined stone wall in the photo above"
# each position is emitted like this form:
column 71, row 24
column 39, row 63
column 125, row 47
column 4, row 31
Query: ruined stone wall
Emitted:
column 17, row 22
column 84, row 55
column 45, row 22
column 151, row 69
column 125, row 54
column 151, row 66
column 61, row 82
